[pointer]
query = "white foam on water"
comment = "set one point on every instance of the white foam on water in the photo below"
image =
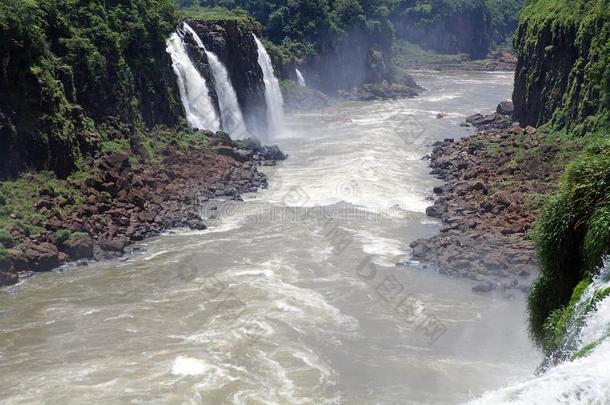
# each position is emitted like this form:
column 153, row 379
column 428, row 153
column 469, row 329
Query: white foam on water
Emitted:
column 585, row 380
column 189, row 366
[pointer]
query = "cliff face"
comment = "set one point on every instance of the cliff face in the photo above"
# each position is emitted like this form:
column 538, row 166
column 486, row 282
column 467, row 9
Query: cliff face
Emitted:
column 563, row 69
column 446, row 28
column 563, row 81
column 71, row 72
column 233, row 43
column 354, row 60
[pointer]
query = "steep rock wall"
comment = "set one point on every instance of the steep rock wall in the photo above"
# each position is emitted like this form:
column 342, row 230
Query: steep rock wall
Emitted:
column 563, row 69
column 446, row 27
column 71, row 71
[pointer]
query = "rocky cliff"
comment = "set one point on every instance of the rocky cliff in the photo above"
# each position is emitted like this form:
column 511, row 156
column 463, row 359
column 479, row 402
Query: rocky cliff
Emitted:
column 465, row 29
column 233, row 43
column 563, row 70
column 563, row 81
column 72, row 77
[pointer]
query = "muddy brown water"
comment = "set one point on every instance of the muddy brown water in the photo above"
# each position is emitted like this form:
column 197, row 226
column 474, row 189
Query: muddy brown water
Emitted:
column 290, row 297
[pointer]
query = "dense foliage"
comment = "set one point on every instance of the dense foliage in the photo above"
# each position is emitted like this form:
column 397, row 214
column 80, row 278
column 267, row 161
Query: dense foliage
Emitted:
column 312, row 26
column 573, row 232
column 71, row 67
column 456, row 26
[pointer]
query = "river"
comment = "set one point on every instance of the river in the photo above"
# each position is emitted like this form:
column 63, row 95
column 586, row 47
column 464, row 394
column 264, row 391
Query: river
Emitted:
column 291, row 296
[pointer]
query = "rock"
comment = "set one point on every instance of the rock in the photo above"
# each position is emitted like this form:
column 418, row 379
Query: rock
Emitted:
column 117, row 162
column 41, row 256
column 501, row 199
column 114, row 245
column 505, row 108
column 419, row 250
column 530, row 130
column 8, row 278
column 484, row 287
column 239, row 155
column 488, row 119
column 434, row 211
column 471, row 119
column 78, row 248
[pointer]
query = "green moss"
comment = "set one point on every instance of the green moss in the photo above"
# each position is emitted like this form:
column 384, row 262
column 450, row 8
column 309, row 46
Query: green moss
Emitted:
column 557, row 323
column 3, row 253
column 571, row 235
column 218, row 14
column 6, row 239
column 585, row 350
column 568, row 27
column 115, row 146
column 62, row 235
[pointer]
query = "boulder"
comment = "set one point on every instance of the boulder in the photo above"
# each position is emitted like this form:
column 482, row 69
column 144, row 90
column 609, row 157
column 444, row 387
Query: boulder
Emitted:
column 8, row 278
column 78, row 248
column 505, row 108
column 114, row 245
column 483, row 287
column 474, row 117
column 239, row 155
column 41, row 256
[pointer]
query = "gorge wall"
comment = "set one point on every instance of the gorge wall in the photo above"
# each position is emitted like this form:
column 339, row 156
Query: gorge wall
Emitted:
column 472, row 27
column 73, row 76
column 563, row 81
column 563, row 64
column 233, row 43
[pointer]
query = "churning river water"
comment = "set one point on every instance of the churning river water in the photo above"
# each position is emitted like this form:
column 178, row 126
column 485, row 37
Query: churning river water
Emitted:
column 291, row 296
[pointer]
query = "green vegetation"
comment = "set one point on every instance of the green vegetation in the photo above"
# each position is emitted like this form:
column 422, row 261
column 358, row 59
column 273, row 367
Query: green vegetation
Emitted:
column 572, row 234
column 22, row 195
column 407, row 55
column 242, row 17
column 472, row 27
column 64, row 235
column 580, row 28
column 89, row 66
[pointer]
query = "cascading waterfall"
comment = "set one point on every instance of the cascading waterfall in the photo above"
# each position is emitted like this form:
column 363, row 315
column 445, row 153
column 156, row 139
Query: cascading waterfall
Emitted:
column 230, row 113
column 586, row 378
column 273, row 94
column 200, row 112
column 300, row 78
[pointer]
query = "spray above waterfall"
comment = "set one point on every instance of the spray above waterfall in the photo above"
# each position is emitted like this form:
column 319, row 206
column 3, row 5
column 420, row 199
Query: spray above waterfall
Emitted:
column 230, row 113
column 273, row 94
column 300, row 78
column 194, row 94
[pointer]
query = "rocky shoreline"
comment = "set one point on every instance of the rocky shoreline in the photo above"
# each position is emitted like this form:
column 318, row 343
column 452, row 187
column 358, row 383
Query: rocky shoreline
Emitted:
column 499, row 61
column 126, row 202
column 495, row 182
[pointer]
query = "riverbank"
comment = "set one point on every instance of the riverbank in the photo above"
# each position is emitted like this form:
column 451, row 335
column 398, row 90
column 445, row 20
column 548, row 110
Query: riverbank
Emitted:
column 412, row 57
column 495, row 183
column 119, row 199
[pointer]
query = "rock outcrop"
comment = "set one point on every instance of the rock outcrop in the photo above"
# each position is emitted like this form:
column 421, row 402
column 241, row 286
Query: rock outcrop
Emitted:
column 562, row 74
column 495, row 182
column 125, row 202
column 233, row 43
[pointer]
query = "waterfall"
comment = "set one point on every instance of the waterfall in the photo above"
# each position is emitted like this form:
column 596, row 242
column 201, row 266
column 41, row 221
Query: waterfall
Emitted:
column 300, row 78
column 230, row 113
column 586, row 378
column 200, row 112
column 273, row 94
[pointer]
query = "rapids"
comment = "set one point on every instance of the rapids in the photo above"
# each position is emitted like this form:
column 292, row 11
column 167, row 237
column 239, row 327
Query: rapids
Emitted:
column 291, row 296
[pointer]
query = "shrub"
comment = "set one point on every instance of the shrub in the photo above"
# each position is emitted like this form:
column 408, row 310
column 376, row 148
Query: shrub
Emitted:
column 6, row 239
column 62, row 235
column 572, row 234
